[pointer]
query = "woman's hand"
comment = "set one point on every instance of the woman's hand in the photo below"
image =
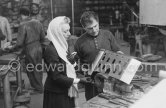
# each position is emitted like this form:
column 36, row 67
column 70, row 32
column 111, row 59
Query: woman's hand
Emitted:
column 71, row 57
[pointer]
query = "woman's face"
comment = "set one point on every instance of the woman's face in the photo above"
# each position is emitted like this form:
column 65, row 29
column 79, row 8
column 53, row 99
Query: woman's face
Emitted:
column 66, row 30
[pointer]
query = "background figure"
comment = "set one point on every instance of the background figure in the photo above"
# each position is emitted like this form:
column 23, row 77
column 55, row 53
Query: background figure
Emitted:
column 34, row 9
column 6, row 30
column 31, row 38
column 90, row 43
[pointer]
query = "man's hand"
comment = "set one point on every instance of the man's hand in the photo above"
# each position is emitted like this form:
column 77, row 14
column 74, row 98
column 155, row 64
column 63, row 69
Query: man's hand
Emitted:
column 101, row 76
column 85, row 80
column 119, row 52
column 99, row 80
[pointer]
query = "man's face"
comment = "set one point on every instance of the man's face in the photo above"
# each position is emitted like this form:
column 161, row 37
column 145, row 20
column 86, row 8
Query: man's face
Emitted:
column 35, row 9
column 23, row 17
column 93, row 28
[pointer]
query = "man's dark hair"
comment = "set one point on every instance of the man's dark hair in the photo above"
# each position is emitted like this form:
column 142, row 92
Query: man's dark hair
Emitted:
column 24, row 11
column 86, row 17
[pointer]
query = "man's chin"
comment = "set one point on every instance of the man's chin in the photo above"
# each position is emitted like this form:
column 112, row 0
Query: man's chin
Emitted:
column 95, row 34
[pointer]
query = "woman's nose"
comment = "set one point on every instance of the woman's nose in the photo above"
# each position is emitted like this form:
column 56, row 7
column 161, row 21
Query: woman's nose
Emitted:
column 69, row 33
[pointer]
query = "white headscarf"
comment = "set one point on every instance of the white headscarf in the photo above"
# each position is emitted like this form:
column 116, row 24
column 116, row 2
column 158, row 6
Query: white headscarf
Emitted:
column 54, row 34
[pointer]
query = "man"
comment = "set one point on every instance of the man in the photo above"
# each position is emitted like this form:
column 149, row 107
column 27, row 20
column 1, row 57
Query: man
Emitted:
column 30, row 38
column 5, row 30
column 90, row 43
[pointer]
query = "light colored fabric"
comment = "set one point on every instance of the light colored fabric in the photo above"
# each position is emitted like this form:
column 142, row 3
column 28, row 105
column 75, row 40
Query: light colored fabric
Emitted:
column 6, row 30
column 155, row 98
column 54, row 34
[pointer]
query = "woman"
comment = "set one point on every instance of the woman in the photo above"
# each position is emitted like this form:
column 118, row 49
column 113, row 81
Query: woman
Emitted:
column 61, row 83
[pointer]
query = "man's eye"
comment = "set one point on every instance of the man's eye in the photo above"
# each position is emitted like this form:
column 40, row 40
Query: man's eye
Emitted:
column 90, row 28
column 95, row 26
column 64, row 31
